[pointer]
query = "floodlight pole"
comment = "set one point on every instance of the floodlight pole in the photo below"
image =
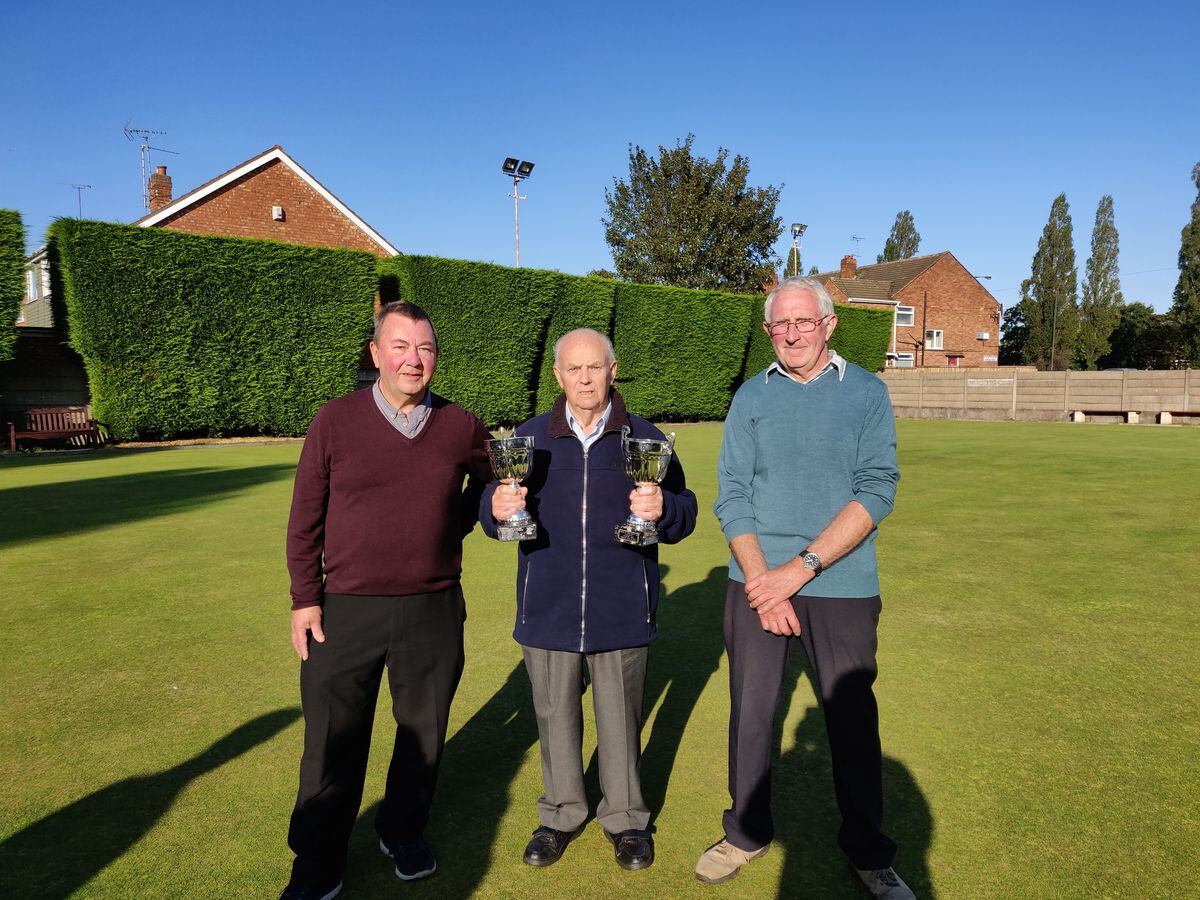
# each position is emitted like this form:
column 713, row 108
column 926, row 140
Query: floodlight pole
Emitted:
column 517, row 197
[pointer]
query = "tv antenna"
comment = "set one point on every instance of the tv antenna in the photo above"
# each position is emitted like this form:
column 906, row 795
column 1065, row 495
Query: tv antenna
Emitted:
column 79, row 189
column 857, row 244
column 142, row 137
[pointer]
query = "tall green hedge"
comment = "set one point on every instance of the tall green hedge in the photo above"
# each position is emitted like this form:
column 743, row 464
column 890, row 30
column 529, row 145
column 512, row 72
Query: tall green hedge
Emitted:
column 862, row 336
column 679, row 351
column 12, row 278
column 581, row 303
column 189, row 335
column 490, row 323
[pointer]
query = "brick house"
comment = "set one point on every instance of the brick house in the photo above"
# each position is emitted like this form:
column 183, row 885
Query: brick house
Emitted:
column 942, row 315
column 269, row 196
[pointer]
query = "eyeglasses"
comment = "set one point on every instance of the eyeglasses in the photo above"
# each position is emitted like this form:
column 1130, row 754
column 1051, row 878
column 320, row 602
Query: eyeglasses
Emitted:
column 804, row 326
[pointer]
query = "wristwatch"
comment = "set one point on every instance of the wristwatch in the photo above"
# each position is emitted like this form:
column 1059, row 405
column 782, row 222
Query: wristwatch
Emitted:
column 812, row 562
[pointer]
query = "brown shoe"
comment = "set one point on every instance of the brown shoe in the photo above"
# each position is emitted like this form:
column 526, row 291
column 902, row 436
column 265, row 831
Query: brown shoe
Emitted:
column 722, row 861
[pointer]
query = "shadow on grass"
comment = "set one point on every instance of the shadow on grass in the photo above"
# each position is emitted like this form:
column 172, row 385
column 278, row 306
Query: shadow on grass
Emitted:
column 807, row 817
column 61, row 853
column 50, row 510
column 480, row 762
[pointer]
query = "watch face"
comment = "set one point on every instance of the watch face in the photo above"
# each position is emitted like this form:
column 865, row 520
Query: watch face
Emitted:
column 812, row 561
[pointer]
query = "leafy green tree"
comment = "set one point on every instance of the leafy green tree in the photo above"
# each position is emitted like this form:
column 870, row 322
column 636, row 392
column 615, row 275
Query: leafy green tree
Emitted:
column 814, row 271
column 794, row 266
column 1048, row 304
column 904, row 240
column 12, row 278
column 1014, row 334
column 603, row 273
column 1100, row 309
column 1144, row 339
column 1186, row 306
column 680, row 219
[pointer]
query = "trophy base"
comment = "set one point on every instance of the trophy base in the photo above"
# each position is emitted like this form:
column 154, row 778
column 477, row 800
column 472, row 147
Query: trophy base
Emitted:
column 522, row 531
column 637, row 535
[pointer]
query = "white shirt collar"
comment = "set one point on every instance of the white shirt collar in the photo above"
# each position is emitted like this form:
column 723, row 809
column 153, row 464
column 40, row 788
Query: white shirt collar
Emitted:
column 597, row 426
column 835, row 360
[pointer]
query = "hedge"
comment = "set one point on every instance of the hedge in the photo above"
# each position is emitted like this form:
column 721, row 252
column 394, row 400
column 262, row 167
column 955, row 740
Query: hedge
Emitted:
column 12, row 278
column 188, row 335
column 862, row 336
column 490, row 323
column 679, row 351
column 581, row 303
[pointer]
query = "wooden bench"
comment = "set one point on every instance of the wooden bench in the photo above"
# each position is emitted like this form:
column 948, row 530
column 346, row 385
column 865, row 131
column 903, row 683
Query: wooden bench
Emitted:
column 1165, row 417
column 54, row 423
column 1129, row 415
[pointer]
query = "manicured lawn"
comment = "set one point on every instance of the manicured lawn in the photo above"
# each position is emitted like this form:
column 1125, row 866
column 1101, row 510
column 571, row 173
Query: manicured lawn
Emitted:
column 1039, row 676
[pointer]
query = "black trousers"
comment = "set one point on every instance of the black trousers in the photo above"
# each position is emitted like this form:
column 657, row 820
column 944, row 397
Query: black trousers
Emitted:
column 419, row 639
column 839, row 637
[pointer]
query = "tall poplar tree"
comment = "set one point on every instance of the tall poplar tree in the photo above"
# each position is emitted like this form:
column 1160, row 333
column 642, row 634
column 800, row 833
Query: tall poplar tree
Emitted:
column 904, row 240
column 1186, row 307
column 1049, row 304
column 793, row 267
column 1100, row 309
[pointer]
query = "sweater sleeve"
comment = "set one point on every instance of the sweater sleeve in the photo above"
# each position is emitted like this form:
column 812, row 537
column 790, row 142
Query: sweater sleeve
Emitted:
column 306, row 524
column 679, row 505
column 875, row 471
column 479, row 474
column 735, row 471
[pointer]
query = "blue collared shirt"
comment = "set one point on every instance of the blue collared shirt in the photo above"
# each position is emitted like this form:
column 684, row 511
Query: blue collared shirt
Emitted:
column 835, row 362
column 408, row 424
column 597, row 427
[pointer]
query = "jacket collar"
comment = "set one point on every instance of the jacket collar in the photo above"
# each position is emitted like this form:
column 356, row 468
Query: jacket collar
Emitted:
column 558, row 416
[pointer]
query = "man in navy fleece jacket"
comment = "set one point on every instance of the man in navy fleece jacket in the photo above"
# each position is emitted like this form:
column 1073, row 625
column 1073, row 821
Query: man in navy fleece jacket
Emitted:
column 585, row 598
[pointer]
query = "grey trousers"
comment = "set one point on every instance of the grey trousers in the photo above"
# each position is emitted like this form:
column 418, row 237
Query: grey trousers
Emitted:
column 618, row 678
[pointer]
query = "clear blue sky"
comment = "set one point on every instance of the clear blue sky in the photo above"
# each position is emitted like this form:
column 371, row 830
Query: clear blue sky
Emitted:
column 974, row 116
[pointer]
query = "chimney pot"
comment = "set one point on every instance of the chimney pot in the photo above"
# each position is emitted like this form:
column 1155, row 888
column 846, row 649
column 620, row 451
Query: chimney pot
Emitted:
column 849, row 266
column 161, row 170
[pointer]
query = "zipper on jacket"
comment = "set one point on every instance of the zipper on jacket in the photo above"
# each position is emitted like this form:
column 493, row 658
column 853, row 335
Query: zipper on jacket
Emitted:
column 646, row 587
column 525, row 592
column 583, row 566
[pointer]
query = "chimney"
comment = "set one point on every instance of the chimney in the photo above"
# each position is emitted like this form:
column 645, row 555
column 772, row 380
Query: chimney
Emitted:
column 849, row 266
column 160, row 189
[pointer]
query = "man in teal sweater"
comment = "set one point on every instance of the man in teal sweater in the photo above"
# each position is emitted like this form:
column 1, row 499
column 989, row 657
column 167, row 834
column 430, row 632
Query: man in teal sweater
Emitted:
column 807, row 470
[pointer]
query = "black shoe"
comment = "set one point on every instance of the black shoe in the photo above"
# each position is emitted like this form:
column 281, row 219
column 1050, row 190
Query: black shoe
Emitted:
column 311, row 890
column 547, row 845
column 413, row 860
column 635, row 849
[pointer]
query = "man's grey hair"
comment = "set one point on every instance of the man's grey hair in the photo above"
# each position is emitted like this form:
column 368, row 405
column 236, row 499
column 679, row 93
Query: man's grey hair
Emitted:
column 610, row 356
column 798, row 284
column 401, row 308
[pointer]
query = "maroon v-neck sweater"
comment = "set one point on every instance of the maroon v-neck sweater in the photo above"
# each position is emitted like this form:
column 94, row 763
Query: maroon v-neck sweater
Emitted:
column 388, row 513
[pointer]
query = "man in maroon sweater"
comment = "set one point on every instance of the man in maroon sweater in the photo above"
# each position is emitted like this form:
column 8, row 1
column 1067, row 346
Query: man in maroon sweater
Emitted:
column 374, row 548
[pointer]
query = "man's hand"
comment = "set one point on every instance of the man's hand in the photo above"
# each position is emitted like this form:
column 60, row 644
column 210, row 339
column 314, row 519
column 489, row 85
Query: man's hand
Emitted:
column 776, row 586
column 507, row 501
column 781, row 620
column 304, row 621
column 647, row 502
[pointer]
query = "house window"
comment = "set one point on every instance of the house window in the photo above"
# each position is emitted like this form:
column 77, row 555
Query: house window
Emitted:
column 32, row 286
column 933, row 339
column 954, row 361
column 905, row 360
column 905, row 316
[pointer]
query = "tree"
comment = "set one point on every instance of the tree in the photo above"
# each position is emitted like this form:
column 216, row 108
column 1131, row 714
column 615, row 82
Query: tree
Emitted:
column 602, row 273
column 1186, row 306
column 904, row 240
column 1144, row 339
column 1048, row 305
column 814, row 271
column 1100, row 309
column 1014, row 334
column 794, row 266
column 684, row 220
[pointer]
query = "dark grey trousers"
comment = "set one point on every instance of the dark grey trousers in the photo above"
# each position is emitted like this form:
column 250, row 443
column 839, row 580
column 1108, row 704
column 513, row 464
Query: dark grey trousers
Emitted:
column 839, row 637
column 618, row 678
column 419, row 639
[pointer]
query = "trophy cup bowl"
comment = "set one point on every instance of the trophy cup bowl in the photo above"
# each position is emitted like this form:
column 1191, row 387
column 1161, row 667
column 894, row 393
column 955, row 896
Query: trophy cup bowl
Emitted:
column 646, row 462
column 512, row 459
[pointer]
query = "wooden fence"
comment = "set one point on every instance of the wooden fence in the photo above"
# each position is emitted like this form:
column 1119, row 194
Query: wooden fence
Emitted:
column 1025, row 393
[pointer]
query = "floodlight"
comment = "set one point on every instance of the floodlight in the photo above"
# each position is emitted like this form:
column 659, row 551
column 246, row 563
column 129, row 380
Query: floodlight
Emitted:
column 798, row 229
column 525, row 169
column 510, row 165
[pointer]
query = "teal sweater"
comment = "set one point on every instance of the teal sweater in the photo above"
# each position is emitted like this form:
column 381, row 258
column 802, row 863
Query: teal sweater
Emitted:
column 794, row 455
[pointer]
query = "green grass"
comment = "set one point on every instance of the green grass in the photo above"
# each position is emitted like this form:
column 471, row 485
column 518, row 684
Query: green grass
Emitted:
column 1037, row 692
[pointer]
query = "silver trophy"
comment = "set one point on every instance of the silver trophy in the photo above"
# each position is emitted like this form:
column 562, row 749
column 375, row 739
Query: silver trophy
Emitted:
column 512, row 459
column 646, row 462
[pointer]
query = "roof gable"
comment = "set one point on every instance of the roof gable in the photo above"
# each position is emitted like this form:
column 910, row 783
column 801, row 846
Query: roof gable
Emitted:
column 276, row 153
